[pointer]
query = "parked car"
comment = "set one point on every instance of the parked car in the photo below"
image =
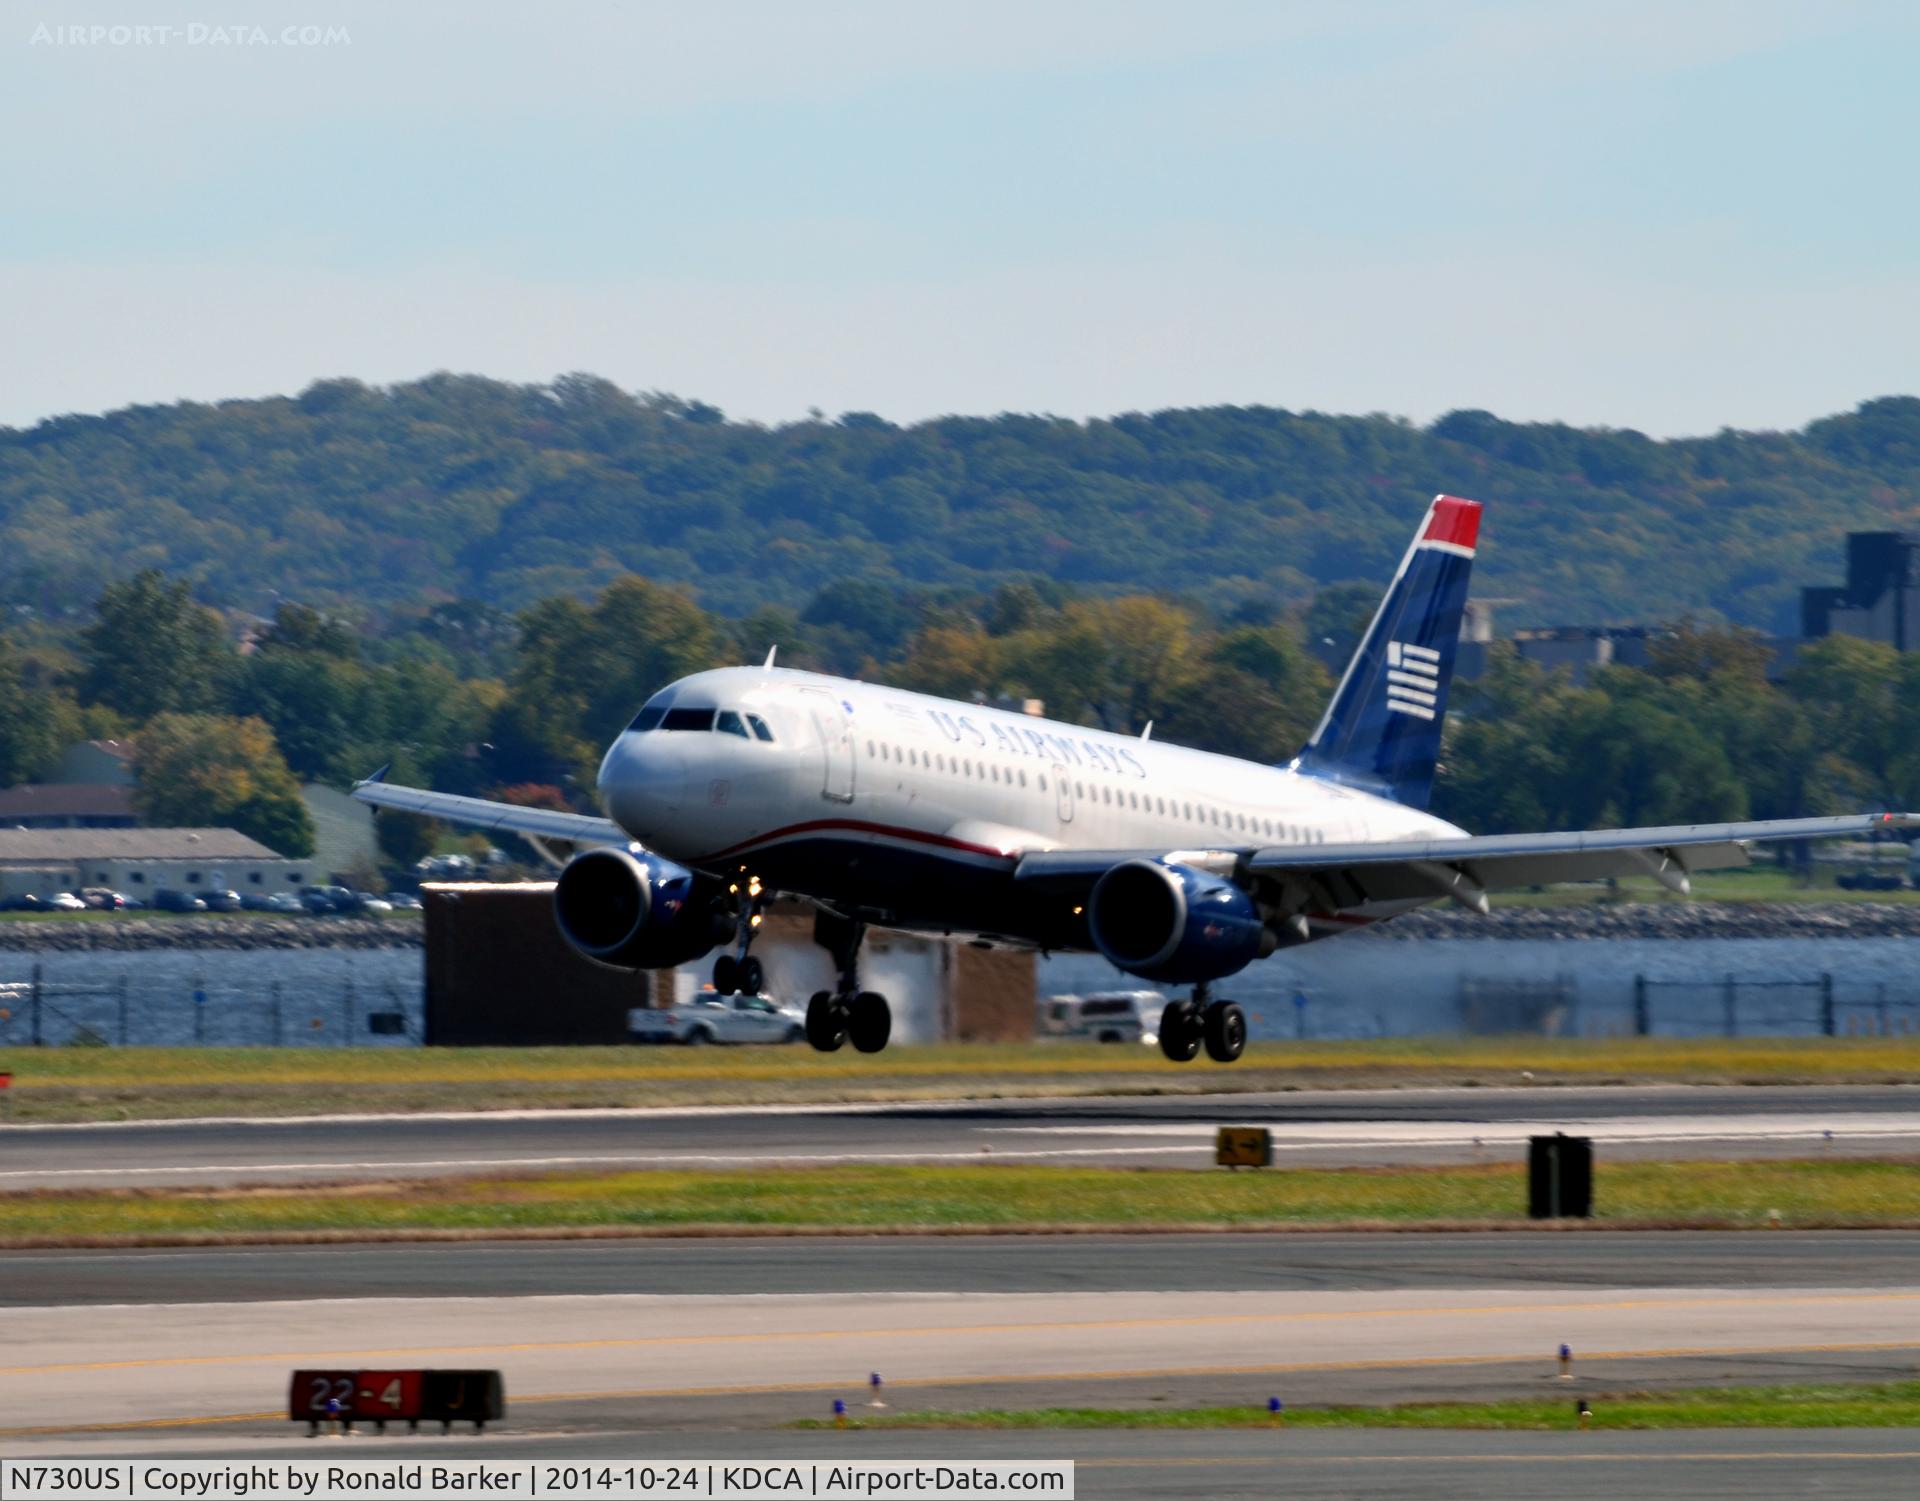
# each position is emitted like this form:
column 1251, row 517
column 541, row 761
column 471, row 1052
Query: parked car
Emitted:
column 100, row 899
column 221, row 901
column 323, row 899
column 169, row 900
column 27, row 901
column 1868, row 880
column 1109, row 1016
column 711, row 1017
column 284, row 901
column 369, row 905
column 404, row 901
column 256, row 901
column 65, row 901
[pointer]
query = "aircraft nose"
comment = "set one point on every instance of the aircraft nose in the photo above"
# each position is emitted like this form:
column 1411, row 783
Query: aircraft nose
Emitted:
column 643, row 782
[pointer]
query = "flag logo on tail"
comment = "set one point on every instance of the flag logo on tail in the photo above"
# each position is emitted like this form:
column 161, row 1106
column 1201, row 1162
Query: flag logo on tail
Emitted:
column 1413, row 679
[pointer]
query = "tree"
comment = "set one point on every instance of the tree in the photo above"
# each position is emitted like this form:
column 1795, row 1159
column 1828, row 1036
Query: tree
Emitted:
column 36, row 723
column 209, row 771
column 405, row 838
column 152, row 649
column 584, row 671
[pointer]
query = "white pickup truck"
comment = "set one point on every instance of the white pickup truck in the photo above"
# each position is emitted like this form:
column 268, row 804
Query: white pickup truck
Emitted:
column 711, row 1017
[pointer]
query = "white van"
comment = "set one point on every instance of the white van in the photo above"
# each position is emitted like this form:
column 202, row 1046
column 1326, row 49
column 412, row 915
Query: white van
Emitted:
column 1109, row 1016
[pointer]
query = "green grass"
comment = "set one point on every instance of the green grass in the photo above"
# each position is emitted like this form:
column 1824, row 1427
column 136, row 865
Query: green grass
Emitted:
column 1871, row 1192
column 1889, row 1404
column 70, row 1084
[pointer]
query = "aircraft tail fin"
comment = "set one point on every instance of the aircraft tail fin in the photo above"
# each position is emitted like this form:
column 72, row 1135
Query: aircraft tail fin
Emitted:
column 1382, row 730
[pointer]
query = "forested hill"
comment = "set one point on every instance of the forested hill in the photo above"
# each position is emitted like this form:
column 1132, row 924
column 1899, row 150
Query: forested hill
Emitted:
column 456, row 486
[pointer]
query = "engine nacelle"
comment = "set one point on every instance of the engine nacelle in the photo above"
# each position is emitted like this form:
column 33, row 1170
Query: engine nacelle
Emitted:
column 638, row 911
column 1173, row 923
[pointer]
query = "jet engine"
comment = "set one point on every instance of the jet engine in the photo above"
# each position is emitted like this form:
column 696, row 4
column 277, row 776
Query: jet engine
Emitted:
column 1170, row 922
column 634, row 910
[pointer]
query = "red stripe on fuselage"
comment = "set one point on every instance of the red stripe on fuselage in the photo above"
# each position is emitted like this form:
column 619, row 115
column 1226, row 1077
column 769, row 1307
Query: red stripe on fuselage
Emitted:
column 1454, row 520
column 857, row 826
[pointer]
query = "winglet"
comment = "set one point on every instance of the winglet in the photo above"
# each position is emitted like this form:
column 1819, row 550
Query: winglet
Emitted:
column 378, row 776
column 1147, row 733
column 770, row 655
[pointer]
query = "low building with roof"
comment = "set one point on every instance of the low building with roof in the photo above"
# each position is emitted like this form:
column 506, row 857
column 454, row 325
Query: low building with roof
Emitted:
column 67, row 805
column 139, row 862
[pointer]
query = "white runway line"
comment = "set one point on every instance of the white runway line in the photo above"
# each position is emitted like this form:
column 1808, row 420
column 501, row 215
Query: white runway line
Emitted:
column 1309, row 1135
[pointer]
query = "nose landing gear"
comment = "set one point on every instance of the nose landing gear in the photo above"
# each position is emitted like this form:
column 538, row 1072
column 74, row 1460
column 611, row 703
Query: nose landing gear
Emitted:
column 1221, row 1026
column 846, row 1013
column 739, row 973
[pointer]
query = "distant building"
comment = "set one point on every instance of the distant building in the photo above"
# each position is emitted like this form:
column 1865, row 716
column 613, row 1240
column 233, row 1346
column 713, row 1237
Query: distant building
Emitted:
column 139, row 862
column 1880, row 600
column 1581, row 649
column 343, row 837
column 67, row 805
column 107, row 763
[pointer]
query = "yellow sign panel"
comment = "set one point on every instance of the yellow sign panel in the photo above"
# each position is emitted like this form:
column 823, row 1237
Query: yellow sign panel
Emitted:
column 1243, row 1146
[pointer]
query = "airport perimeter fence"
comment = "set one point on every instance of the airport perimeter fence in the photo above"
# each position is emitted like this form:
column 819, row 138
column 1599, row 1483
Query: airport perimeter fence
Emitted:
column 45, row 1013
column 1813, row 1006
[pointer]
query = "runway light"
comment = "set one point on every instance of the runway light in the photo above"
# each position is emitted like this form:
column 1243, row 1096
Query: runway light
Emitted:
column 874, row 1384
column 1773, row 1219
column 1566, row 1362
column 1276, row 1411
column 1583, row 1412
column 839, row 1413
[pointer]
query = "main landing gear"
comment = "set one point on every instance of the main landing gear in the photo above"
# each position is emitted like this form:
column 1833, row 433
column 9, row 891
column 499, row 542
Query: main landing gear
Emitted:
column 739, row 973
column 1220, row 1025
column 846, row 1013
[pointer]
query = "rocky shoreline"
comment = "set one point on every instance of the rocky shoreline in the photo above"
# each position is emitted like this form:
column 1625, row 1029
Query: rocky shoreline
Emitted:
column 1669, row 920
column 132, row 934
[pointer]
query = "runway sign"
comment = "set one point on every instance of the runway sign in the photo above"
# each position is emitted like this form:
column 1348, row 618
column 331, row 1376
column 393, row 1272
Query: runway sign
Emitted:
column 396, row 1397
column 1243, row 1146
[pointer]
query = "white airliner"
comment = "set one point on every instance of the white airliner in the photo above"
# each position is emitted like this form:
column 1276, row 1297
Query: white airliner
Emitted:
column 900, row 810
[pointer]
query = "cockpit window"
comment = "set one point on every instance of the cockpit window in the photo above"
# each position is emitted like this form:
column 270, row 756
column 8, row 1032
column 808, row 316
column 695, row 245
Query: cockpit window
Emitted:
column 647, row 719
column 760, row 728
column 728, row 723
column 688, row 719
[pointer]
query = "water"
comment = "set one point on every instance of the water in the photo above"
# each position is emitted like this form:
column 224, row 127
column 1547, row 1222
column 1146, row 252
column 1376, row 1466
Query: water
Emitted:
column 1376, row 987
column 1356, row 987
column 219, row 997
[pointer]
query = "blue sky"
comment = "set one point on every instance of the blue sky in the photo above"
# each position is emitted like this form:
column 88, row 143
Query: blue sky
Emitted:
column 1672, row 216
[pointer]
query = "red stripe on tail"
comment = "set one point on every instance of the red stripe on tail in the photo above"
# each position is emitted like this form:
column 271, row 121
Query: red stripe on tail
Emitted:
column 1454, row 520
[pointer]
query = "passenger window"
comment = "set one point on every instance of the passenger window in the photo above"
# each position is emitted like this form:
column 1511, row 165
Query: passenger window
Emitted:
column 646, row 719
column 688, row 719
column 1043, row 784
column 1023, row 779
column 730, row 723
column 760, row 728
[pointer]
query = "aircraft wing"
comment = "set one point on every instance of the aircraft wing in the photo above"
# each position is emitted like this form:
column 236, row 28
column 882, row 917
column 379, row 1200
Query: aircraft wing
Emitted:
column 1346, row 875
column 478, row 813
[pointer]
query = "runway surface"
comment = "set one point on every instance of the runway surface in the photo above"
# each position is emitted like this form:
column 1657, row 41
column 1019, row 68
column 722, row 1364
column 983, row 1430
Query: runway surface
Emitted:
column 1370, row 1126
column 1293, row 1262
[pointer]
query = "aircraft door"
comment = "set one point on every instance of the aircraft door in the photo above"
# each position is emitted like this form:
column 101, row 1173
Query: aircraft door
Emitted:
column 835, row 728
column 1063, row 785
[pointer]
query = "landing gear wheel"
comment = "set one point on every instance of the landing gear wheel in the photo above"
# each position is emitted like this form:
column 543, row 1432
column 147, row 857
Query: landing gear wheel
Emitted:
column 826, row 1022
column 726, row 974
column 869, row 1022
column 752, row 978
column 1180, row 1031
column 1225, row 1026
